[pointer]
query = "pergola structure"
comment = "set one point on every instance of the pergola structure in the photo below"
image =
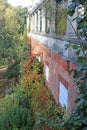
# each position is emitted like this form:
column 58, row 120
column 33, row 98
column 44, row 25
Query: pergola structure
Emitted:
column 50, row 49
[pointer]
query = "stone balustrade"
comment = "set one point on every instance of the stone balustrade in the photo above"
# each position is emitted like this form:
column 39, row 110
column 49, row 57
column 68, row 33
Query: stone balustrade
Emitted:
column 56, row 44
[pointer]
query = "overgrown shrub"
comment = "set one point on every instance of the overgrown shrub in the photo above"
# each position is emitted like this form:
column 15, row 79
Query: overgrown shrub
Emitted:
column 31, row 105
column 45, row 111
column 13, row 71
column 33, row 77
column 17, row 117
column 51, row 116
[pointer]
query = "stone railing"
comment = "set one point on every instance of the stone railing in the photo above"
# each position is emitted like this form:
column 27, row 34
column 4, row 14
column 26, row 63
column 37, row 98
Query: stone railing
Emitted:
column 56, row 44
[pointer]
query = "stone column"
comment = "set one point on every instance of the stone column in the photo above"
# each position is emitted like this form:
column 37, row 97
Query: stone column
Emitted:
column 43, row 22
column 38, row 20
column 71, row 24
column 35, row 21
column 52, row 24
column 28, row 23
column 47, row 25
column 32, row 23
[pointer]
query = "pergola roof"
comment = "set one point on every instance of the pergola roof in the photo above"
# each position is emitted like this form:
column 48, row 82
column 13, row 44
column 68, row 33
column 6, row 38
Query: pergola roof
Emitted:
column 38, row 6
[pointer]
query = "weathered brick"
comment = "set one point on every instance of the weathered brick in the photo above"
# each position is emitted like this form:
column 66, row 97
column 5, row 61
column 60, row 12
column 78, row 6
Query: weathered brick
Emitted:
column 58, row 72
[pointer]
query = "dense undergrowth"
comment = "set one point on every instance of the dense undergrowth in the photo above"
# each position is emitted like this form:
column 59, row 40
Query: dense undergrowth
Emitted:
column 30, row 105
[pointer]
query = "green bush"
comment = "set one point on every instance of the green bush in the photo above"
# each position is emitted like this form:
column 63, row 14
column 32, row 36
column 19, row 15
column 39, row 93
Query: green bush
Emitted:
column 13, row 71
column 62, row 20
column 51, row 116
column 16, row 118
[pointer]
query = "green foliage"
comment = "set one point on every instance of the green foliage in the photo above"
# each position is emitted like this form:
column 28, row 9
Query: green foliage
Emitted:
column 61, row 20
column 17, row 117
column 45, row 111
column 6, row 103
column 33, row 77
column 21, row 17
column 51, row 116
column 16, row 97
column 36, row 67
column 31, row 106
column 10, row 34
column 78, row 119
column 56, row 13
column 81, row 19
column 49, row 9
column 19, row 109
column 15, row 111
column 13, row 72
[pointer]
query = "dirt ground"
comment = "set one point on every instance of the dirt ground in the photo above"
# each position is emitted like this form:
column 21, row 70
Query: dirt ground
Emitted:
column 3, row 81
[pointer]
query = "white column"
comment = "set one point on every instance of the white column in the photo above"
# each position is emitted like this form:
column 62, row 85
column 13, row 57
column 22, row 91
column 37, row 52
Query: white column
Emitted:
column 28, row 23
column 36, row 23
column 52, row 25
column 43, row 22
column 48, row 26
column 71, row 24
column 38, row 20
column 32, row 23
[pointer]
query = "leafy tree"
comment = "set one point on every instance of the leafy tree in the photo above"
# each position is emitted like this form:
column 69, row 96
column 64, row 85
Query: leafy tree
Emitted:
column 78, row 116
column 13, row 42
column 12, row 23
column 21, row 17
column 56, row 13
column 3, row 5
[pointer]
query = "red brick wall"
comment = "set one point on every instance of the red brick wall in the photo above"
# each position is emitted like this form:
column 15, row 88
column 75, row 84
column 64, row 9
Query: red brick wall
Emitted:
column 58, row 72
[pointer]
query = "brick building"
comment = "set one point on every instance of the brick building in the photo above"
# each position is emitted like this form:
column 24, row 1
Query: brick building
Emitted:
column 50, row 49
